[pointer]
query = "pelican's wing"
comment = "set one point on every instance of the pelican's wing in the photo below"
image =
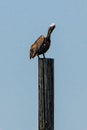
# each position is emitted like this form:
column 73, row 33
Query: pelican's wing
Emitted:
column 36, row 46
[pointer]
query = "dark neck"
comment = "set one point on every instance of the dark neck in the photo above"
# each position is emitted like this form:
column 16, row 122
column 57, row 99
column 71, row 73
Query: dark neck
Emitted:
column 49, row 33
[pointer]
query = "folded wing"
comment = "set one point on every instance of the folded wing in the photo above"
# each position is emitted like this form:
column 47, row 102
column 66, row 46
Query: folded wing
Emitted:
column 34, row 49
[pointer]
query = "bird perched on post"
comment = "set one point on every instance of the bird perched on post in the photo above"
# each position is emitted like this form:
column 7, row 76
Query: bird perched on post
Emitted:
column 42, row 44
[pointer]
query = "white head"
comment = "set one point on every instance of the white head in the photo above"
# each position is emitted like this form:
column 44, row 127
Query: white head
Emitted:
column 53, row 24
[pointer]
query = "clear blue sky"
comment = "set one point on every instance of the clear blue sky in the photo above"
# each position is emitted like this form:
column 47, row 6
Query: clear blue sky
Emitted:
column 21, row 23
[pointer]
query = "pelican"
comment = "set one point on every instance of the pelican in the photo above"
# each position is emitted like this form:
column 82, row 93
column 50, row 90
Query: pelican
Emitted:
column 42, row 44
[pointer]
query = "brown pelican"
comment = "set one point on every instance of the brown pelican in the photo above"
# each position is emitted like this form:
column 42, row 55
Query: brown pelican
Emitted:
column 42, row 44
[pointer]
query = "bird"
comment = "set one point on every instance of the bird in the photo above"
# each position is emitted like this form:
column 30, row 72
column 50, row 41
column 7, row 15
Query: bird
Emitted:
column 42, row 44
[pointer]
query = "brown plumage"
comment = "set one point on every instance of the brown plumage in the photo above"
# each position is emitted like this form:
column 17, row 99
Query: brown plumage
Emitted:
column 42, row 44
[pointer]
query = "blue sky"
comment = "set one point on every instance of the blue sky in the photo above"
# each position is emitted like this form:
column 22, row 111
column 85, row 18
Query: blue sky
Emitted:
column 21, row 23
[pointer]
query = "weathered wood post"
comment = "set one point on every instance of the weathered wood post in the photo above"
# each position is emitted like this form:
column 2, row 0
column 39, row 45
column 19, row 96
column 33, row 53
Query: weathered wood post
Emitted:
column 45, row 94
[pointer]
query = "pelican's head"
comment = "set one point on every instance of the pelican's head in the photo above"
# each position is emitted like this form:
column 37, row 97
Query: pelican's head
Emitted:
column 50, row 29
column 52, row 26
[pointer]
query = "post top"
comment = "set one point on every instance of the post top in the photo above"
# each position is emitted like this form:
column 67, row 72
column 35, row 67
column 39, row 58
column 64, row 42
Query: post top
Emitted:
column 44, row 59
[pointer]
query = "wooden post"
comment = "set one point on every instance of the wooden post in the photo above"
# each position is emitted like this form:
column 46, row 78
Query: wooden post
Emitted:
column 45, row 94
